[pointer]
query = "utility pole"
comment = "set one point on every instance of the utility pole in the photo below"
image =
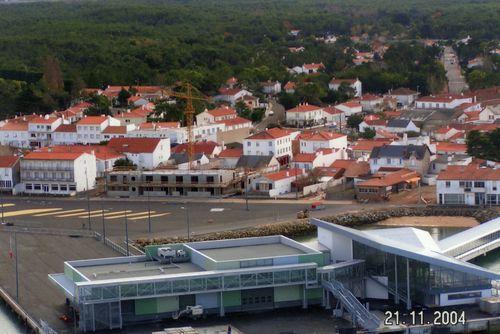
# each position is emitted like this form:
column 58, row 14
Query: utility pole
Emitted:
column 149, row 214
column 1, row 200
column 246, row 190
column 17, row 267
column 126, row 233
column 88, row 199
column 103, row 224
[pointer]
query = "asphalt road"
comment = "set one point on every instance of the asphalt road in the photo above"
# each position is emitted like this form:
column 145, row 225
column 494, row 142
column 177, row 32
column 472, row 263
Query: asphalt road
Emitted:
column 276, row 118
column 456, row 81
column 167, row 218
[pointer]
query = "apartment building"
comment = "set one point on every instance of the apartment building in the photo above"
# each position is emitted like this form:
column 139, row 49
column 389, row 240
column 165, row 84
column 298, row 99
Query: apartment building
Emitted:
column 305, row 114
column 468, row 185
column 311, row 141
column 89, row 129
column 58, row 173
column 40, row 130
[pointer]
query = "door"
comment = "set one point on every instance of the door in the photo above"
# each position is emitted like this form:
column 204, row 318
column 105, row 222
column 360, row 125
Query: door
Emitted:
column 45, row 188
column 479, row 198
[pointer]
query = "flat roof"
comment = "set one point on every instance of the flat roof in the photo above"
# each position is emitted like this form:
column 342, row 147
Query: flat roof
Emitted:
column 469, row 235
column 136, row 269
column 250, row 251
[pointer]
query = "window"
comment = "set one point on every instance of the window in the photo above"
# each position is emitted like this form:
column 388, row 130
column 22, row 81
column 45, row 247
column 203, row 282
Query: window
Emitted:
column 249, row 143
column 388, row 161
column 270, row 143
column 72, row 187
column 194, row 179
column 54, row 187
column 465, row 184
column 479, row 184
column 113, row 178
column 164, row 178
column 210, row 179
column 64, row 187
column 37, row 186
column 29, row 186
column 448, row 184
column 178, row 179
column 149, row 178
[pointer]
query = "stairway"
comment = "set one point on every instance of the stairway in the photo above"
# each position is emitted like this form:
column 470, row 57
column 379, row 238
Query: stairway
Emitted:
column 360, row 315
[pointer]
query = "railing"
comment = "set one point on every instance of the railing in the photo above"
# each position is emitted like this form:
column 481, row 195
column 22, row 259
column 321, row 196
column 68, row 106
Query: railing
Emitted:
column 392, row 291
column 359, row 313
column 474, row 244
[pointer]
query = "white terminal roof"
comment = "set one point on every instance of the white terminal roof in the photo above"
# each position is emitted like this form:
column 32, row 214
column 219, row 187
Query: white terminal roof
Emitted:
column 418, row 250
column 470, row 235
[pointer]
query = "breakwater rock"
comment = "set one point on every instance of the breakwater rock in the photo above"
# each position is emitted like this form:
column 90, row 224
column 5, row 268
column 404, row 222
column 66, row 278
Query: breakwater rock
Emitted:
column 301, row 227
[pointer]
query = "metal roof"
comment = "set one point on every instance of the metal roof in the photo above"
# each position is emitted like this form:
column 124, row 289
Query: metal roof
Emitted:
column 406, row 250
column 469, row 235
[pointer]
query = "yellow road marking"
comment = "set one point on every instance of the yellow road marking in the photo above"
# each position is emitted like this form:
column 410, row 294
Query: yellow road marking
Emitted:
column 58, row 212
column 28, row 212
column 6, row 205
column 130, row 215
column 152, row 216
column 78, row 214
column 98, row 213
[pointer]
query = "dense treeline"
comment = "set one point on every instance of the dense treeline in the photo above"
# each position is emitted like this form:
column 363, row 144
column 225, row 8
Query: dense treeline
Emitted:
column 484, row 145
column 129, row 42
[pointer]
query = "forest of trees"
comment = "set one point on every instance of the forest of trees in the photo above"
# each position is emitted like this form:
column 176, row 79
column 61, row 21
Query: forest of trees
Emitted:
column 50, row 50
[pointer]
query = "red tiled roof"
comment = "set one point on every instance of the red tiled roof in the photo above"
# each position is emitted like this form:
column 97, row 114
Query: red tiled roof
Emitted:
column 403, row 91
column 66, row 128
column 368, row 144
column 222, row 111
column 92, row 120
column 313, row 66
column 450, row 147
column 332, row 110
column 159, row 125
column 316, row 135
column 205, row 147
column 470, row 172
column 402, row 175
column 370, row 97
column 115, row 129
column 340, row 81
column 376, row 122
column 272, row 133
column 8, row 161
column 15, row 126
column 40, row 155
column 231, row 153
column 304, row 108
column 351, row 104
column 234, row 121
column 290, row 85
column 229, row 91
column 134, row 145
column 304, row 157
column 284, row 174
column 43, row 120
column 101, row 152
column 342, row 163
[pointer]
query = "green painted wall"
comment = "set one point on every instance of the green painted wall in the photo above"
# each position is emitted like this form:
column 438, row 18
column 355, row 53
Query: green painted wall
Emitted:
column 287, row 293
column 72, row 274
column 314, row 293
column 320, row 259
column 146, row 306
column 228, row 265
column 231, row 298
column 168, row 304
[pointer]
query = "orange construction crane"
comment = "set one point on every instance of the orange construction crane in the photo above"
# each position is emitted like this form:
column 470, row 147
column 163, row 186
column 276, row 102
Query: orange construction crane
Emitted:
column 189, row 112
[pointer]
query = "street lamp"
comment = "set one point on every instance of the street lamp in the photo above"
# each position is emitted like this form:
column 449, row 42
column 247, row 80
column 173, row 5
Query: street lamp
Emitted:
column 185, row 208
column 88, row 199
column 126, row 233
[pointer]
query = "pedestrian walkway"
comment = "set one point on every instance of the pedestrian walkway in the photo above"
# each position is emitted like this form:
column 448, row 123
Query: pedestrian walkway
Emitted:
column 81, row 213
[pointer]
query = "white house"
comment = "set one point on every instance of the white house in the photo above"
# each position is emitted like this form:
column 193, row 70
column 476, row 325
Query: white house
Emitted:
column 145, row 153
column 350, row 107
column 372, row 122
column 305, row 114
column 40, row 130
column 15, row 133
column 231, row 95
column 58, row 173
column 323, row 157
column 65, row 134
column 355, row 84
column 448, row 101
column 311, row 68
column 404, row 96
column 468, row 185
column 215, row 115
column 271, row 87
column 9, row 172
column 397, row 125
column 414, row 157
column 370, row 102
column 334, row 116
column 277, row 183
column 311, row 141
column 89, row 129
column 276, row 142
column 445, row 133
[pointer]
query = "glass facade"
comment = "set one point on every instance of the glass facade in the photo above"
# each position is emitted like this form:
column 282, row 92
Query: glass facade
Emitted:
column 426, row 281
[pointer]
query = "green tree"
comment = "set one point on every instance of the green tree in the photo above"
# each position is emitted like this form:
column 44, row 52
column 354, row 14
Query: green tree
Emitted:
column 354, row 120
column 123, row 97
column 369, row 133
column 100, row 105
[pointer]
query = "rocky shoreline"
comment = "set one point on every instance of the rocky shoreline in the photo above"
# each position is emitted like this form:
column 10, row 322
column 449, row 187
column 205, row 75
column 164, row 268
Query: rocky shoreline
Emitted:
column 301, row 227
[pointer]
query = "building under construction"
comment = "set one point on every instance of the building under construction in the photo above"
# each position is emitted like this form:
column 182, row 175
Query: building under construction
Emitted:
column 174, row 182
